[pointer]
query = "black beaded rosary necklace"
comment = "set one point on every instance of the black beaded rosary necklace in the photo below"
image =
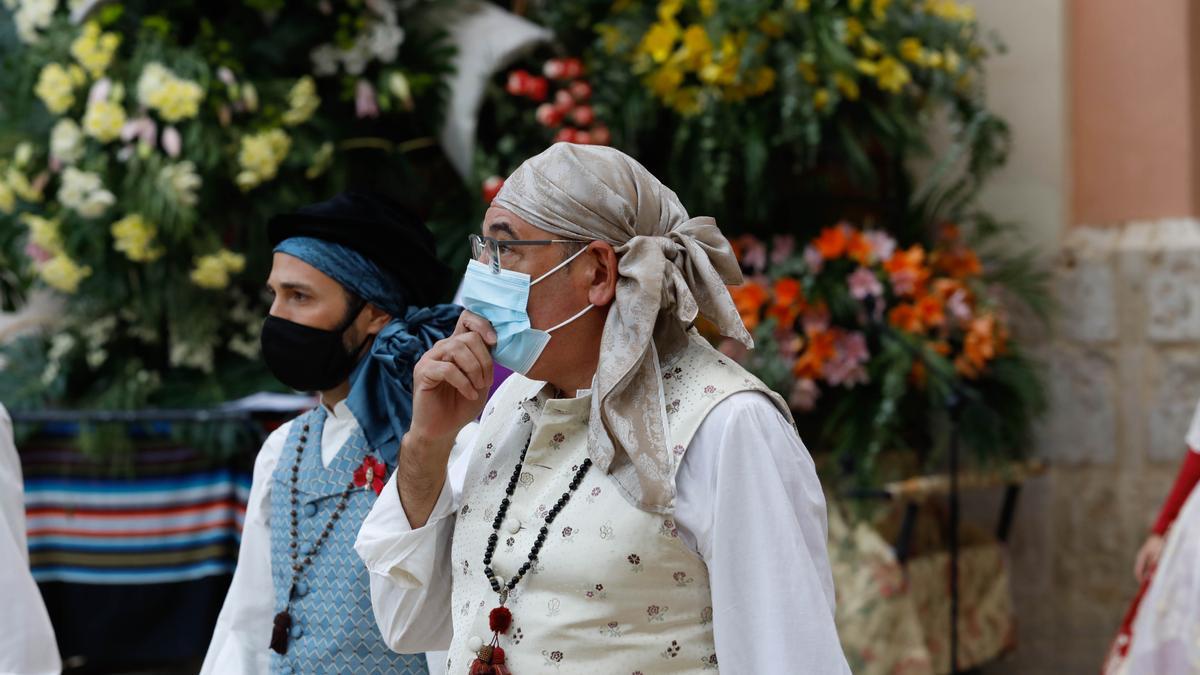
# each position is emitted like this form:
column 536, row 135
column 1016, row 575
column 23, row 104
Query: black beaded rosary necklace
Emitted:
column 283, row 620
column 490, row 658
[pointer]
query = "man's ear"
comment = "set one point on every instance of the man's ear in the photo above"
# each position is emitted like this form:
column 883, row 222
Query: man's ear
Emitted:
column 376, row 318
column 602, row 287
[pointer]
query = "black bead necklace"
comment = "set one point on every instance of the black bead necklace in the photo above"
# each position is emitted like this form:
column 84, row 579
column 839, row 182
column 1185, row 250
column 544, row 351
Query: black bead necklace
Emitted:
column 501, row 617
column 283, row 620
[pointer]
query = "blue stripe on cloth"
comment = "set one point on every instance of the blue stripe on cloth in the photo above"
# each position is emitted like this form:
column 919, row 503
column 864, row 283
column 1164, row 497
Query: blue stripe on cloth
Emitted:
column 158, row 545
column 141, row 575
column 141, row 484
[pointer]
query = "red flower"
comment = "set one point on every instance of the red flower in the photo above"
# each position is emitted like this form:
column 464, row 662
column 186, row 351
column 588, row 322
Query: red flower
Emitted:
column 563, row 69
column 548, row 115
column 601, row 135
column 563, row 101
column 583, row 138
column 537, row 88
column 565, row 135
column 491, row 188
column 372, row 473
column 584, row 115
column 518, row 82
column 581, row 90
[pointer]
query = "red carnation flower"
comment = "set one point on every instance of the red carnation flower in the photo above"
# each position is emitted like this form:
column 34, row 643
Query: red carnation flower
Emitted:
column 518, row 82
column 491, row 188
column 581, row 90
column 372, row 473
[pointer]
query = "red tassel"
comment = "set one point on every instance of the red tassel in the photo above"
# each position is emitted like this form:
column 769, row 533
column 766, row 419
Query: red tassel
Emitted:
column 500, row 619
column 279, row 634
column 489, row 662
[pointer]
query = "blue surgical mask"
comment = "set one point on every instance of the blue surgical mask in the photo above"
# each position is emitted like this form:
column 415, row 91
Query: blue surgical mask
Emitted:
column 503, row 299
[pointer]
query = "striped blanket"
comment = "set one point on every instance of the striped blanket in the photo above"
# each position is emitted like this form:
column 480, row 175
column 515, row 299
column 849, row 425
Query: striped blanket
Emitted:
column 175, row 516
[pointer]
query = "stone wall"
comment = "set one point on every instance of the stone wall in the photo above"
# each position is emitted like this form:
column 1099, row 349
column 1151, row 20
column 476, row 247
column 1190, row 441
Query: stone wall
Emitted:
column 1123, row 369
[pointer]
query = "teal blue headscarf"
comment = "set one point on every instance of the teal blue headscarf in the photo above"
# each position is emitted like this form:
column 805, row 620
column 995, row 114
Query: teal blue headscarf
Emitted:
column 381, row 385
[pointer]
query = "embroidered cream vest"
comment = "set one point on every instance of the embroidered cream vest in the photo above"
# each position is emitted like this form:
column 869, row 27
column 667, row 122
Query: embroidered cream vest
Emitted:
column 614, row 589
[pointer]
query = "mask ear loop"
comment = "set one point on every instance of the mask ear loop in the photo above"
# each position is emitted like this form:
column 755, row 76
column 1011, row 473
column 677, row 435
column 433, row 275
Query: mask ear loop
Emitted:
column 583, row 311
column 561, row 265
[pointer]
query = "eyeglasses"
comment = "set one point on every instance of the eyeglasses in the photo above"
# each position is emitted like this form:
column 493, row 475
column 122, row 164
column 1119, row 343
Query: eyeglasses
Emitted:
column 489, row 249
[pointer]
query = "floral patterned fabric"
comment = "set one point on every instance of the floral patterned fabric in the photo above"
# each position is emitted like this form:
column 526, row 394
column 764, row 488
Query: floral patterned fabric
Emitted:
column 894, row 619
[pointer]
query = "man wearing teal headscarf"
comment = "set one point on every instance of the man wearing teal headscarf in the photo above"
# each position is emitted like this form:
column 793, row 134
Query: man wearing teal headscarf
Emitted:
column 354, row 281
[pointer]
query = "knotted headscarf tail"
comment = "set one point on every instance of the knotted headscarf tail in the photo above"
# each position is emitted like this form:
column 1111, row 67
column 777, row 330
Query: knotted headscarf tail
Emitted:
column 671, row 268
column 381, row 384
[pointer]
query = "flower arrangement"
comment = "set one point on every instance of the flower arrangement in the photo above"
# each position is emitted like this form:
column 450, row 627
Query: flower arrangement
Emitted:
column 528, row 112
column 726, row 102
column 861, row 333
column 146, row 145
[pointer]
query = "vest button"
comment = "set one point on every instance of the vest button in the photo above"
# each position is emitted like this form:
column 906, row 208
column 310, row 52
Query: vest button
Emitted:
column 301, row 588
column 310, row 510
column 297, row 631
column 474, row 643
column 512, row 525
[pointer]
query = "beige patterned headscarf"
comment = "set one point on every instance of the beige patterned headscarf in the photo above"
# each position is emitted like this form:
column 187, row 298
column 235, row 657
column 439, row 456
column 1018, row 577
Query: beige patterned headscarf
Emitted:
column 671, row 268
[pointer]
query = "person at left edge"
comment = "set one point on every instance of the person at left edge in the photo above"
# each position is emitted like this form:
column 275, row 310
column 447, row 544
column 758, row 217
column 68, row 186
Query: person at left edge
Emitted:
column 354, row 281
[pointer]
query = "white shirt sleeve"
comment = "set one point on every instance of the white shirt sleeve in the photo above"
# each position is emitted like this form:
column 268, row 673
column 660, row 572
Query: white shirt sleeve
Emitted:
column 27, row 643
column 410, row 579
column 1193, row 434
column 240, row 643
column 750, row 504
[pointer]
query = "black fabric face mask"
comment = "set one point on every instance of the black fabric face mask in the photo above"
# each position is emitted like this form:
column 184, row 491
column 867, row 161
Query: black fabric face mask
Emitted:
column 306, row 358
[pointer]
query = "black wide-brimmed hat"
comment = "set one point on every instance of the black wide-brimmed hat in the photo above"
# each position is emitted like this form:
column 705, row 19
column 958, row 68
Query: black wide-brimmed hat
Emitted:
column 381, row 230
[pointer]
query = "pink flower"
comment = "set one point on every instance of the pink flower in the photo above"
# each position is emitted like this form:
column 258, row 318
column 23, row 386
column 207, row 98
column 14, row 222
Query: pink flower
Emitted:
column 601, row 135
column 814, row 259
column 37, row 253
column 583, row 138
column 754, row 257
column 863, row 284
column 226, row 75
column 142, row 128
column 100, row 90
column 854, row 347
column 566, row 135
column 782, row 246
column 172, row 142
column 365, row 102
column 804, row 395
column 882, row 245
column 815, row 322
column 957, row 304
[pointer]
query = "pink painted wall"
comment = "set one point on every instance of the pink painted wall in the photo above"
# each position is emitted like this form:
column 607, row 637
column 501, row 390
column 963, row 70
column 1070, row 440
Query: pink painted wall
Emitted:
column 1133, row 113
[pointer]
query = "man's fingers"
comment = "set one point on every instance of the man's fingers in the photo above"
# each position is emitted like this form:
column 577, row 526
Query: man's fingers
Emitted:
column 449, row 373
column 473, row 323
column 475, row 343
column 467, row 361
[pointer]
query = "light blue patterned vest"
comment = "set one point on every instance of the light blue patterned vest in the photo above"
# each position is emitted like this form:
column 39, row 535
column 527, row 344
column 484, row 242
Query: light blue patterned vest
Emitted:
column 333, row 628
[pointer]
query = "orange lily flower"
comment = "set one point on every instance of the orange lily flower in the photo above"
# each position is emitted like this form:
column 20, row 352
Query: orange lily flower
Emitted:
column 749, row 299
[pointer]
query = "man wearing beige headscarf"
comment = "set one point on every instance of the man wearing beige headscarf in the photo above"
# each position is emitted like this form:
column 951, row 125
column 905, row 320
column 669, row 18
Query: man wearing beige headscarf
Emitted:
column 632, row 501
